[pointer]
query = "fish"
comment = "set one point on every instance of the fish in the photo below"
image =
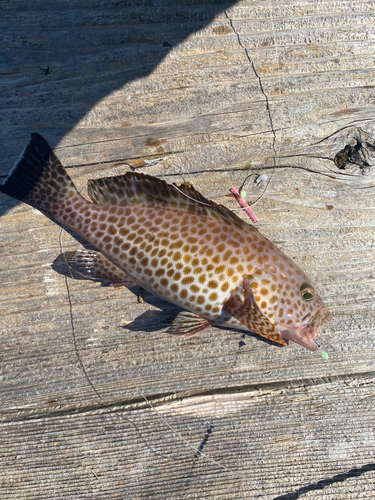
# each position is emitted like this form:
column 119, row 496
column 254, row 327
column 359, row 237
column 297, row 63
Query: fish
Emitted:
column 175, row 243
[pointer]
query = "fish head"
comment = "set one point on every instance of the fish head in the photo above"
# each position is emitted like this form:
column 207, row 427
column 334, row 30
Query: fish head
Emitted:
column 304, row 323
column 290, row 303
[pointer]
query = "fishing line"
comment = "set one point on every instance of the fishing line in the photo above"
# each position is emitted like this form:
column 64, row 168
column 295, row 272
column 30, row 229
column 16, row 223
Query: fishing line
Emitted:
column 195, row 449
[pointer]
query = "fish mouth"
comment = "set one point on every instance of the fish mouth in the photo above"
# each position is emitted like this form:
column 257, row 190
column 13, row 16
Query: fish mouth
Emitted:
column 301, row 338
column 308, row 330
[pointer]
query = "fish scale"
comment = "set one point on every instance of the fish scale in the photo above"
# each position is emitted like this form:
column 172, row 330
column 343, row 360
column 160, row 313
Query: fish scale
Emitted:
column 176, row 244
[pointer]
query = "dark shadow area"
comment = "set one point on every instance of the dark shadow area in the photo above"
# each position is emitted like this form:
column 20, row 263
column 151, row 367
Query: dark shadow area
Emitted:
column 151, row 321
column 60, row 266
column 204, row 441
column 75, row 54
column 320, row 485
column 259, row 337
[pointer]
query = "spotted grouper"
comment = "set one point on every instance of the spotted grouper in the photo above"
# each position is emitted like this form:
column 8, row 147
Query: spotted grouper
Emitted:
column 178, row 245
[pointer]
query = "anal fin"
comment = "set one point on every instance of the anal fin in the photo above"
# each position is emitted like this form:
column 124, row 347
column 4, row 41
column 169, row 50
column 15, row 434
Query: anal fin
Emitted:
column 188, row 324
column 94, row 265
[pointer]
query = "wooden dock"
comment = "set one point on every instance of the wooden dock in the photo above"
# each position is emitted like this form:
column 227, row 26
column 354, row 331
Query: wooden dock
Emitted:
column 97, row 401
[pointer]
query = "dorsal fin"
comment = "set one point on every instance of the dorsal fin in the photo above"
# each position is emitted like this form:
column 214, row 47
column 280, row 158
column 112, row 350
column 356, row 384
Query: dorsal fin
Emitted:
column 135, row 188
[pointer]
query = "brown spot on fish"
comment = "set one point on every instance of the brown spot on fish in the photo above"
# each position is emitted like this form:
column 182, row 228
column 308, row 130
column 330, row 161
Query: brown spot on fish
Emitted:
column 212, row 284
column 202, row 279
column 187, row 281
column 192, row 239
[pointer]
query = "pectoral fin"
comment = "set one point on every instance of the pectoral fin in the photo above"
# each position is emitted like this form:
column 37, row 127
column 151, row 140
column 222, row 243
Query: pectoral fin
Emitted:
column 188, row 324
column 253, row 318
column 94, row 265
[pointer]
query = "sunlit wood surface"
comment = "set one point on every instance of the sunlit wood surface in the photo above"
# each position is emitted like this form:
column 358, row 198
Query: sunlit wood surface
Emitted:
column 97, row 401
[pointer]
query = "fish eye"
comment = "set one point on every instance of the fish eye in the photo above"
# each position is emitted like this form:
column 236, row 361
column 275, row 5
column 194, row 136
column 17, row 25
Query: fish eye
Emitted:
column 307, row 295
column 307, row 291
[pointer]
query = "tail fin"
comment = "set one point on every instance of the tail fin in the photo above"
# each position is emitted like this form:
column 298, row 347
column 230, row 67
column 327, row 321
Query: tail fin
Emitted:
column 39, row 179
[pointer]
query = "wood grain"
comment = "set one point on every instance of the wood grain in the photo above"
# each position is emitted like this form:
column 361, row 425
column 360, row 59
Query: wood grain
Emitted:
column 215, row 94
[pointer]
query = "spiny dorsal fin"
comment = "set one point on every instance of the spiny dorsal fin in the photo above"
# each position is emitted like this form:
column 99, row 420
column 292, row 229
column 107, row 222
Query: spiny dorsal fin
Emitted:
column 135, row 188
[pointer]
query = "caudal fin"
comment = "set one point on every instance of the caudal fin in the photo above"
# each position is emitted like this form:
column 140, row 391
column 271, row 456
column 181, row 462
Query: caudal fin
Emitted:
column 38, row 179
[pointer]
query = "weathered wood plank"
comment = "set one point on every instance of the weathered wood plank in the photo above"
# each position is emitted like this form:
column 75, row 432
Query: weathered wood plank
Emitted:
column 105, row 320
column 135, row 81
column 279, row 443
column 203, row 93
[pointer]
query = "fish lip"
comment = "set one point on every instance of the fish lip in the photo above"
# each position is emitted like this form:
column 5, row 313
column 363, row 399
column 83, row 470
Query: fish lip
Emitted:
column 308, row 330
column 304, row 340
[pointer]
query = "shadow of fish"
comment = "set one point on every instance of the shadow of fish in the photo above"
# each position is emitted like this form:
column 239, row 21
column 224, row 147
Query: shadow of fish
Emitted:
column 176, row 244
